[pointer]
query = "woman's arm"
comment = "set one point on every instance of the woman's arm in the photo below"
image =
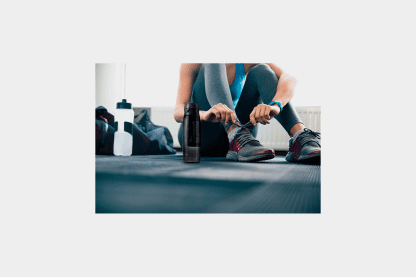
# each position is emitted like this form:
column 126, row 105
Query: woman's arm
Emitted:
column 187, row 75
column 284, row 93
column 285, row 86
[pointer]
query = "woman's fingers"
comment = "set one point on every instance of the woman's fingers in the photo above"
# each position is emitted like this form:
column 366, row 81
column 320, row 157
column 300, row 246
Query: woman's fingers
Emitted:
column 216, row 110
column 264, row 114
column 253, row 118
column 233, row 117
column 223, row 113
column 260, row 114
column 227, row 115
column 217, row 114
column 206, row 116
column 230, row 114
column 268, row 112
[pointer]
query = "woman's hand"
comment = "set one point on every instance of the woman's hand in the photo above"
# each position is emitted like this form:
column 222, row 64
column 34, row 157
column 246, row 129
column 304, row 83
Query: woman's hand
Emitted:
column 263, row 113
column 219, row 113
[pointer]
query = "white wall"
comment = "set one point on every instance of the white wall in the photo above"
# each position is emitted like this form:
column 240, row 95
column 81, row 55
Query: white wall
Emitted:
column 109, row 85
column 151, row 84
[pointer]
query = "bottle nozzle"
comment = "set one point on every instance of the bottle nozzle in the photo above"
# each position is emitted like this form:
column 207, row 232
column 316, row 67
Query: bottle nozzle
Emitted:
column 123, row 104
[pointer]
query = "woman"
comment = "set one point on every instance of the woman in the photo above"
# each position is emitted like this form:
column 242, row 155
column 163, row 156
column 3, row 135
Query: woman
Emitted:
column 232, row 99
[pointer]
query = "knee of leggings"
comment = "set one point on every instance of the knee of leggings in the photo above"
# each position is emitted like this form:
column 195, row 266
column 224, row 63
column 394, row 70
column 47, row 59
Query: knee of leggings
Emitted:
column 263, row 69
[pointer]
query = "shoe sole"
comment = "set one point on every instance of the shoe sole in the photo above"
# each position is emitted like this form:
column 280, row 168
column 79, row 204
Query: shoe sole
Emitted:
column 305, row 159
column 231, row 155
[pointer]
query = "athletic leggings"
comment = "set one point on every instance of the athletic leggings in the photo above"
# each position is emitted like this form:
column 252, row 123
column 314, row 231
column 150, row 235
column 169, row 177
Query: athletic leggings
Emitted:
column 211, row 88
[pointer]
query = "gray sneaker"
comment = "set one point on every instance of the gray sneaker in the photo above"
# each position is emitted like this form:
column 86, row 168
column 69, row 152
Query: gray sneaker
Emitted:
column 305, row 148
column 245, row 148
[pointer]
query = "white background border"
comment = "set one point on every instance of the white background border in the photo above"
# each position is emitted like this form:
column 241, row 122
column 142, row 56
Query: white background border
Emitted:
column 361, row 54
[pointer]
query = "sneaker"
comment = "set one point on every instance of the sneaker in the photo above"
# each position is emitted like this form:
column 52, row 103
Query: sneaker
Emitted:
column 245, row 148
column 305, row 148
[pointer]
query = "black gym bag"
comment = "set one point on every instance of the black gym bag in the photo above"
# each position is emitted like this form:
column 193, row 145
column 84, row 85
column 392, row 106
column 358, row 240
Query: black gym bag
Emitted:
column 148, row 138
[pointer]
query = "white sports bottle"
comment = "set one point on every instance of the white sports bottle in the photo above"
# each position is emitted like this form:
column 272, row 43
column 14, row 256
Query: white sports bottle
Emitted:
column 123, row 137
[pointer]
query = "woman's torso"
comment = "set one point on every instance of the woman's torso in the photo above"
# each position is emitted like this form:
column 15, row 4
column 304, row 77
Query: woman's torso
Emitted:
column 231, row 70
column 236, row 75
column 236, row 87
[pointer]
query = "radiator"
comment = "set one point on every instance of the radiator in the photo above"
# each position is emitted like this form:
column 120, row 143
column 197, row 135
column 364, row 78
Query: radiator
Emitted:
column 272, row 135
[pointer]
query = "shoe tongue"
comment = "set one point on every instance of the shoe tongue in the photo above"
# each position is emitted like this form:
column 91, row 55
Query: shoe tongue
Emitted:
column 251, row 142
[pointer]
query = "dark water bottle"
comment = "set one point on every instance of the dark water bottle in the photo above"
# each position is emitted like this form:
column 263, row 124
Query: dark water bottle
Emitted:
column 191, row 134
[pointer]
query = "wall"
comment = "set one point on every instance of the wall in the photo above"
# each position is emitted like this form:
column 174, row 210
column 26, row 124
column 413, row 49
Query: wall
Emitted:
column 109, row 85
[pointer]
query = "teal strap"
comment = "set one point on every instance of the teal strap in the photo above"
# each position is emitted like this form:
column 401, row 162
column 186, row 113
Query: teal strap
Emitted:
column 277, row 103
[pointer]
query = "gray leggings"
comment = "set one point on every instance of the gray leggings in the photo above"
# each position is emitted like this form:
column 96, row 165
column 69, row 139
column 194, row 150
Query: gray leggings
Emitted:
column 211, row 88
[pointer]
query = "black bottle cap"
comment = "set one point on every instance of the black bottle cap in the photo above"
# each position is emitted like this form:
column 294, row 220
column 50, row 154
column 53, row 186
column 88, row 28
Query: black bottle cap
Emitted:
column 123, row 105
column 191, row 109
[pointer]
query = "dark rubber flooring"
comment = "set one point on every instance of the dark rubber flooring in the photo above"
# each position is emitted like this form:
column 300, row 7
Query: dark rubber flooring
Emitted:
column 164, row 184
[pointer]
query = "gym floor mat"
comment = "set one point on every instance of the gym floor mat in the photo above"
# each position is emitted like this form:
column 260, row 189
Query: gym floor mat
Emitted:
column 164, row 184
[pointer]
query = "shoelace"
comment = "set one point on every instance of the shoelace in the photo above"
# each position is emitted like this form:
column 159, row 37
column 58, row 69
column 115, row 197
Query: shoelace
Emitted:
column 245, row 137
column 309, row 136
